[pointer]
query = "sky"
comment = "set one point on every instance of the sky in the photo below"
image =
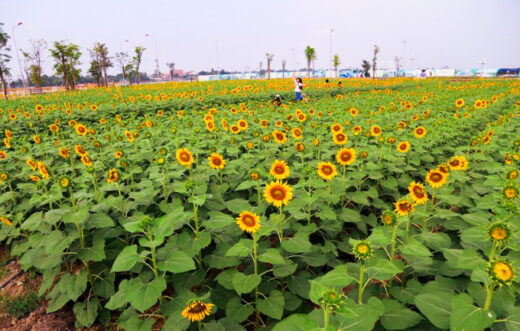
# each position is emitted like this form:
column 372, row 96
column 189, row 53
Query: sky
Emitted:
column 236, row 35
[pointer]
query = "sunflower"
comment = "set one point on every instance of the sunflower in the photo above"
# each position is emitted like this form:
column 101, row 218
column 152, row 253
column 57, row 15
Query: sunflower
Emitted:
column 375, row 130
column 297, row 133
column 64, row 152
column 279, row 137
column 278, row 193
column 3, row 155
column 3, row 177
column 403, row 146
column 32, row 164
column 34, row 178
column 279, row 169
column 118, row 154
column 184, row 157
column 197, row 310
column 499, row 232
column 444, row 168
column 64, row 182
column 299, row 147
column 81, row 129
column 160, row 160
column 37, row 139
column 340, row 138
column 363, row 250
column 43, row 170
column 388, row 218
column 501, row 272
column 404, row 207
column 234, row 129
column 249, row 222
column 356, row 130
column 459, row 103
column 79, row 150
column 5, row 221
column 419, row 132
column 363, row 154
column 216, row 161
column 129, row 136
column 113, row 176
column 327, row 170
column 510, row 191
column 346, row 156
column 513, row 174
column 463, row 162
column 436, row 178
column 85, row 159
column 336, row 127
column 418, row 193
column 254, row 175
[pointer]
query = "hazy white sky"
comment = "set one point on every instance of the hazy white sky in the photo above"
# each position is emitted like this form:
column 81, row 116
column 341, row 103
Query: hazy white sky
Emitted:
column 456, row 33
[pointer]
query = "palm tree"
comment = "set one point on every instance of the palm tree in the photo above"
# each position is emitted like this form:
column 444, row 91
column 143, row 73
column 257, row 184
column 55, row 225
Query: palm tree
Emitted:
column 336, row 62
column 310, row 54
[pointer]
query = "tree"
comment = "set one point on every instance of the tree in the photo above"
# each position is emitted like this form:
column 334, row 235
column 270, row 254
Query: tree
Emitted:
column 366, row 68
column 66, row 57
column 99, row 54
column 310, row 54
column 269, row 60
column 139, row 50
column 397, row 59
column 374, row 61
column 95, row 71
column 284, row 63
column 335, row 63
column 4, row 59
column 122, row 60
column 171, row 65
column 34, row 61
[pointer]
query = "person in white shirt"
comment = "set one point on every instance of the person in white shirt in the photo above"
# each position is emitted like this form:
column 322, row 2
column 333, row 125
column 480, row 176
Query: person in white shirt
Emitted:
column 298, row 86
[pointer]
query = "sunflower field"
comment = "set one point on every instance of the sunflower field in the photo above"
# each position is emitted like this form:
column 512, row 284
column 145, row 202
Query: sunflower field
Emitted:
column 381, row 204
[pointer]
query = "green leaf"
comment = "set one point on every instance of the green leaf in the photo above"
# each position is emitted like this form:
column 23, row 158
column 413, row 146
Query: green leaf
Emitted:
column 225, row 278
column 86, row 312
column 245, row 284
column 298, row 244
column 360, row 317
column 272, row 256
column 99, row 220
column 238, row 205
column 398, row 317
column 236, row 311
column 296, row 322
column 218, row 220
column 144, row 295
column 126, row 259
column 130, row 321
column 272, row 306
column 513, row 320
column 241, row 248
column 382, row 269
column 436, row 307
column 177, row 262
column 466, row 316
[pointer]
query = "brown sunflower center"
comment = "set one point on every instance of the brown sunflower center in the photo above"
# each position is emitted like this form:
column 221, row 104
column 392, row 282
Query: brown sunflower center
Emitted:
column 279, row 169
column 217, row 161
column 327, row 170
column 185, row 157
column 436, row 177
column 346, row 156
column 248, row 220
column 405, row 206
column 419, row 193
column 197, row 308
column 277, row 193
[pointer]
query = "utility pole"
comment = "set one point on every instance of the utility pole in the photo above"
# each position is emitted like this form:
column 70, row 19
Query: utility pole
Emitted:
column 216, row 51
column 404, row 54
column 18, row 57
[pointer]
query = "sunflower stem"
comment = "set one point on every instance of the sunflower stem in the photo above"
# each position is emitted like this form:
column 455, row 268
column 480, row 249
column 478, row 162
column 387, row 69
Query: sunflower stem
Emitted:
column 281, row 224
column 489, row 294
column 12, row 192
column 72, row 200
column 394, row 233
column 121, row 198
column 255, row 262
column 325, row 318
column 492, row 253
column 361, row 287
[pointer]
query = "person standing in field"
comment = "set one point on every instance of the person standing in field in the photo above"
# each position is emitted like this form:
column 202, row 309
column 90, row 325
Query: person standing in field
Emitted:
column 298, row 87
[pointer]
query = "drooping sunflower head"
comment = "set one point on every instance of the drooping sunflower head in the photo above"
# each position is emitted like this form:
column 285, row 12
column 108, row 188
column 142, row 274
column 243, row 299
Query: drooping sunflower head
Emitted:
column 248, row 222
column 278, row 193
column 113, row 176
column 499, row 232
column 419, row 132
column 327, row 170
column 346, row 156
column 79, row 150
column 388, row 218
column 403, row 146
column 436, row 178
column 510, row 191
column 363, row 250
column 64, row 152
column 418, row 193
column 501, row 272
column 184, row 157
column 86, row 160
column 444, row 168
column 64, row 182
column 197, row 310
column 5, row 221
column 279, row 169
column 254, row 175
column 299, row 147
column 216, row 161
column 404, row 206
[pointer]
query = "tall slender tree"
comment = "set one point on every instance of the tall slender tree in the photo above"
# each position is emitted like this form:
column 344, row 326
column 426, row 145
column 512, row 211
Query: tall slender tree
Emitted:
column 4, row 59
column 310, row 55
column 336, row 62
column 34, row 59
column 99, row 54
column 397, row 60
column 374, row 61
column 66, row 57
column 269, row 60
column 139, row 50
column 96, row 72
column 366, row 68
column 123, row 61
